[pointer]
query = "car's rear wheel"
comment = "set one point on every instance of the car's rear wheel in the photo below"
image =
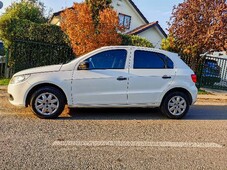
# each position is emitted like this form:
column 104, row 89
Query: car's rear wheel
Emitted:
column 47, row 102
column 175, row 105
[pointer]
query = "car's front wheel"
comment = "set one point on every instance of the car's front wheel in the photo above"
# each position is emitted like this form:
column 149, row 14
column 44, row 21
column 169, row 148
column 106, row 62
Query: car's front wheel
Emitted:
column 47, row 102
column 175, row 105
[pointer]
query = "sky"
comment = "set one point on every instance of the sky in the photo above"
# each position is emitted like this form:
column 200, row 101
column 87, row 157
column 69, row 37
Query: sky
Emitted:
column 153, row 10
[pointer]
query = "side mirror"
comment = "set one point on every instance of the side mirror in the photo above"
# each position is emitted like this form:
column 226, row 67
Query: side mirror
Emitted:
column 84, row 66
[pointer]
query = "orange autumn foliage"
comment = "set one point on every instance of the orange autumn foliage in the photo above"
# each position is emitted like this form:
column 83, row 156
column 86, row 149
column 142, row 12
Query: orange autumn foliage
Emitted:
column 77, row 23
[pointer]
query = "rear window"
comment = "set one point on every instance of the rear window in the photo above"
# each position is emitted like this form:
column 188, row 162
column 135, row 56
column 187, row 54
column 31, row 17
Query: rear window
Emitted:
column 151, row 60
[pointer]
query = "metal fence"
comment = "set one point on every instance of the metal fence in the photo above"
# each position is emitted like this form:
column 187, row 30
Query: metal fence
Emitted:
column 2, row 70
column 27, row 54
column 214, row 73
column 211, row 71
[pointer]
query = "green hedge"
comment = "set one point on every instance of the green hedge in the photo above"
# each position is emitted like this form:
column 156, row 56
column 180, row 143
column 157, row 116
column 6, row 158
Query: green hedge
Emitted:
column 18, row 29
column 31, row 44
column 135, row 40
column 28, row 54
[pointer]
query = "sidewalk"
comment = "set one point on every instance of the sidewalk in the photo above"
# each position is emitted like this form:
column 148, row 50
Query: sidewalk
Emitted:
column 212, row 99
column 215, row 98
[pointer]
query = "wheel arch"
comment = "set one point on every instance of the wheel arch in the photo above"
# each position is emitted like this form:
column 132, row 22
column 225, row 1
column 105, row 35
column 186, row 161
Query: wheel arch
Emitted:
column 38, row 86
column 179, row 89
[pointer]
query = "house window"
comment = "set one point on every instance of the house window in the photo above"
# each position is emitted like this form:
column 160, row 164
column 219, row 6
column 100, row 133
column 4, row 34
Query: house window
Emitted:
column 125, row 20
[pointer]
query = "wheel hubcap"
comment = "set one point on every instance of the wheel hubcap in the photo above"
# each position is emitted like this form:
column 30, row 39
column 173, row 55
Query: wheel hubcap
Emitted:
column 46, row 104
column 177, row 105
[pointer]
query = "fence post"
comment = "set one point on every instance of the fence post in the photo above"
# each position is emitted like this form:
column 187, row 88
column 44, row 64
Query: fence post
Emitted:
column 201, row 66
column 6, row 63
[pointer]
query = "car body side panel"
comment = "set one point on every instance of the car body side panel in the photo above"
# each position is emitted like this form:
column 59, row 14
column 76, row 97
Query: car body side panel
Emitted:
column 182, row 80
column 60, row 79
column 145, row 86
column 97, row 87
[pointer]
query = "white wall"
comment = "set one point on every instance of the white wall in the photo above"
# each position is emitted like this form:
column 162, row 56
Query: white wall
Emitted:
column 153, row 35
column 124, row 7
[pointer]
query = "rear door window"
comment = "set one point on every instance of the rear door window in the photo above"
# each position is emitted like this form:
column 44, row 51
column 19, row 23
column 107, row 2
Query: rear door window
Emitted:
column 151, row 60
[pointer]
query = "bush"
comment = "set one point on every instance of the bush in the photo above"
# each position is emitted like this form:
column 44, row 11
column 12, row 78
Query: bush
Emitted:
column 135, row 40
column 28, row 54
column 32, row 44
column 20, row 29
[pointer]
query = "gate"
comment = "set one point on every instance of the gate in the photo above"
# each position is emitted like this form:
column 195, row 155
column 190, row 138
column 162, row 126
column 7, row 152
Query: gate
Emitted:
column 212, row 72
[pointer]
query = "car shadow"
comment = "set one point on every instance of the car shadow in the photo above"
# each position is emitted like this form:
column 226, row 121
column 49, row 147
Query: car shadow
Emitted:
column 114, row 114
column 195, row 113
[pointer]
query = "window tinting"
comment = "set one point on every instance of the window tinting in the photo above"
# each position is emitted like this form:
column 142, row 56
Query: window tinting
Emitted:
column 112, row 59
column 146, row 60
column 151, row 60
column 169, row 63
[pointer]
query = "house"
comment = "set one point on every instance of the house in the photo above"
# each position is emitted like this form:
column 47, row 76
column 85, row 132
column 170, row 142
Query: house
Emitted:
column 133, row 20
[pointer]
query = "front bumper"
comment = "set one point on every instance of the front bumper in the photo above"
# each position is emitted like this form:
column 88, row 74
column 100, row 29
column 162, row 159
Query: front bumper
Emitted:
column 17, row 93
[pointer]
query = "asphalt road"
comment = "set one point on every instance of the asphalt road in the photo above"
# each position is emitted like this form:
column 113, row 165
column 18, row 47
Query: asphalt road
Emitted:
column 113, row 139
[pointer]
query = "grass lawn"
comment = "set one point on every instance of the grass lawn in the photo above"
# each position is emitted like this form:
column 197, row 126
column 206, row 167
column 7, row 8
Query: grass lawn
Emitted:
column 203, row 92
column 4, row 82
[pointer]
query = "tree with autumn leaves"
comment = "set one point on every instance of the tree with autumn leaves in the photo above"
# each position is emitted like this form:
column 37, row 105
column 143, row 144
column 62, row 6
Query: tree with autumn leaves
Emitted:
column 96, row 6
column 196, row 26
column 95, row 24
column 88, row 31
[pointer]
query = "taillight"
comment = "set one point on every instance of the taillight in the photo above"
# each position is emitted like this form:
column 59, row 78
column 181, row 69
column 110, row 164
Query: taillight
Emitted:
column 194, row 78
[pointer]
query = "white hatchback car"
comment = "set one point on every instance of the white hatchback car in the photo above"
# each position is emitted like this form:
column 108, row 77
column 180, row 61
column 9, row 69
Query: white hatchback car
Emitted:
column 117, row 76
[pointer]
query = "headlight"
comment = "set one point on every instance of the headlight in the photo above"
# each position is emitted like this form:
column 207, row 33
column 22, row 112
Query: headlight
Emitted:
column 19, row 79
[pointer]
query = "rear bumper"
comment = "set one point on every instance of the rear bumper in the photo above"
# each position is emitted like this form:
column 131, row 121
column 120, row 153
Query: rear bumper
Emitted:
column 194, row 94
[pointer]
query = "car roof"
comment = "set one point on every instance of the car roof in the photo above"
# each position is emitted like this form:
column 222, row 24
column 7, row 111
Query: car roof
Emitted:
column 178, row 63
column 139, row 48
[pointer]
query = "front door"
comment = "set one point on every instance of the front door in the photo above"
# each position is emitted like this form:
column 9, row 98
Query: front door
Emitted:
column 105, row 80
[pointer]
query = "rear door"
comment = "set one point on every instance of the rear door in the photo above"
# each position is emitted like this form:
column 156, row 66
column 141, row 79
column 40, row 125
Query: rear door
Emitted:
column 150, row 74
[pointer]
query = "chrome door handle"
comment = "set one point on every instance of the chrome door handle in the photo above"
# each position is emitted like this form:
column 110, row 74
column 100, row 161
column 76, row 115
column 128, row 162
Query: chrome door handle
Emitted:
column 166, row 77
column 121, row 78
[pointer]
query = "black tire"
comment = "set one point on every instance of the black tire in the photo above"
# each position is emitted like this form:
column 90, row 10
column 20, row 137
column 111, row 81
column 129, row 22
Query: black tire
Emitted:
column 169, row 107
column 47, row 102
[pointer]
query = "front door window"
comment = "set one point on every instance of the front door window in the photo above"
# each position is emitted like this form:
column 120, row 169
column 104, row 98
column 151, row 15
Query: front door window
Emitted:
column 112, row 59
